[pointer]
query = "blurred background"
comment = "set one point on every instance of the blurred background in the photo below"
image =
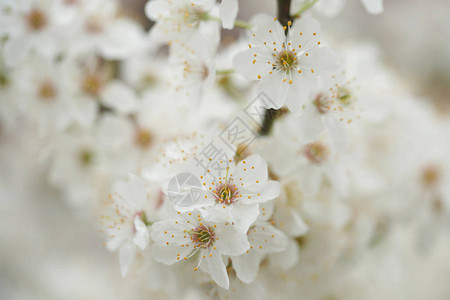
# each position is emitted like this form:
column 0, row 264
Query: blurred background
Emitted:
column 49, row 251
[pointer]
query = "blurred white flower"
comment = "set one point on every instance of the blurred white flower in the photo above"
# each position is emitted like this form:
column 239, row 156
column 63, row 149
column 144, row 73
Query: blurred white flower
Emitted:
column 126, row 219
column 30, row 25
column 184, row 24
column 234, row 191
column 187, row 234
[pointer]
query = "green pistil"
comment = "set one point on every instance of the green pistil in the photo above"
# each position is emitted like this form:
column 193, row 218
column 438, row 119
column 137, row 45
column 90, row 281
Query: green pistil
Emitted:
column 145, row 220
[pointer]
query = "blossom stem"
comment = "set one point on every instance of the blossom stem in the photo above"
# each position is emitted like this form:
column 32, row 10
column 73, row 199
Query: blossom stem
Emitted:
column 284, row 7
column 237, row 23
column 242, row 24
column 304, row 8
column 225, row 72
column 270, row 115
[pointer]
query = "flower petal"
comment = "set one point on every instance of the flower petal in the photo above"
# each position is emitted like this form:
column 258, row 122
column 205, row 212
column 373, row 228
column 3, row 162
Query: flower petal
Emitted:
column 244, row 215
column 120, row 97
column 231, row 241
column 305, row 33
column 213, row 265
column 126, row 257
column 247, row 265
column 251, row 66
column 228, row 10
column 142, row 236
column 373, row 6
column 287, row 258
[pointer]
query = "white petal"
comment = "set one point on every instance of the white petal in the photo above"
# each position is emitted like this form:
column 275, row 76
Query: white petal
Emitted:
column 289, row 221
column 157, row 9
column 373, row 6
column 121, row 39
column 120, row 97
column 298, row 93
column 338, row 133
column 231, row 241
column 114, row 131
column 244, row 215
column 142, row 236
column 138, row 191
column 169, row 254
column 228, row 10
column 267, row 30
column 214, row 266
column 305, row 32
column 16, row 50
column 243, row 63
column 84, row 111
column 276, row 88
column 287, row 258
column 310, row 124
column 270, row 190
column 132, row 193
column 330, row 8
column 247, row 265
column 251, row 169
column 310, row 179
column 266, row 238
column 126, row 257
column 319, row 60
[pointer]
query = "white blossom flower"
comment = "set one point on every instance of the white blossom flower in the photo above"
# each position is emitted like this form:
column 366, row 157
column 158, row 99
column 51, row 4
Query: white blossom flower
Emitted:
column 184, row 24
column 93, row 89
column 191, row 74
column 45, row 93
column 286, row 64
column 264, row 239
column 98, row 27
column 30, row 25
column 74, row 165
column 188, row 234
column 126, row 219
column 234, row 191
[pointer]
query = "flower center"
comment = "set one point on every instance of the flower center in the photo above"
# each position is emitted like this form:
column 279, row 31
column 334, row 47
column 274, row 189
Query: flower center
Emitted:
column 36, row 19
column 92, row 84
column 344, row 96
column 203, row 236
column 144, row 138
column 93, row 25
column 316, row 152
column 322, row 103
column 226, row 194
column 430, row 176
column 193, row 15
column 86, row 157
column 47, row 91
column 286, row 60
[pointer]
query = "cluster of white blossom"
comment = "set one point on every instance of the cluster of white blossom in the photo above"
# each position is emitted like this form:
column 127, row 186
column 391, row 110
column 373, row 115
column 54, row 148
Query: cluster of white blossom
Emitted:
column 262, row 168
